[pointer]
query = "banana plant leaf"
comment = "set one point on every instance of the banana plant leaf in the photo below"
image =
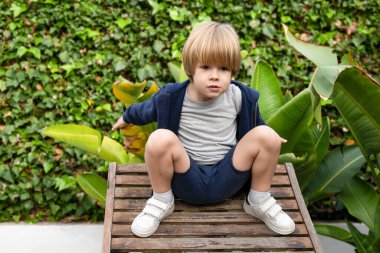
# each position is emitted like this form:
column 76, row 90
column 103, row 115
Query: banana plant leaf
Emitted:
column 79, row 136
column 127, row 92
column 112, row 151
column 265, row 81
column 377, row 222
column 334, row 232
column 177, row 72
column 149, row 93
column 357, row 96
column 94, row 185
column 320, row 55
column 314, row 142
column 326, row 60
column 361, row 201
column 291, row 120
column 338, row 167
column 136, row 137
column 362, row 242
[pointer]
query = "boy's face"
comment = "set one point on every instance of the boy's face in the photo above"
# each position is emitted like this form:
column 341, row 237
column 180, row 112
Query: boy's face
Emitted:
column 209, row 82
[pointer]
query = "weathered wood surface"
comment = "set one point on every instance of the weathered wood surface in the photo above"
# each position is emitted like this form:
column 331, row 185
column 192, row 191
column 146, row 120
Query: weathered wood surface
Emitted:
column 220, row 227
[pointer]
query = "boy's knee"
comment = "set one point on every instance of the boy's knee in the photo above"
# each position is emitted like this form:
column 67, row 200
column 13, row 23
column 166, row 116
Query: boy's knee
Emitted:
column 267, row 137
column 160, row 141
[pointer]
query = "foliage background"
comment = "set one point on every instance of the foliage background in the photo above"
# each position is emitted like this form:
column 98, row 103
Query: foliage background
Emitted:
column 60, row 58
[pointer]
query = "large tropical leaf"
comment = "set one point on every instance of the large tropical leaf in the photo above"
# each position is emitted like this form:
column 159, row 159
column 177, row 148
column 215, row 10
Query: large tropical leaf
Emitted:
column 313, row 144
column 291, row 120
column 334, row 172
column 361, row 201
column 136, row 137
column 149, row 93
column 82, row 137
column 320, row 55
column 334, row 232
column 112, row 151
column 326, row 60
column 357, row 96
column 362, row 242
column 265, row 81
column 94, row 185
column 177, row 72
column 127, row 92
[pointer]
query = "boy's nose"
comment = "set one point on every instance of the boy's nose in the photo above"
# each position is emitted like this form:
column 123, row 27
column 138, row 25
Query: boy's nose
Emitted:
column 214, row 73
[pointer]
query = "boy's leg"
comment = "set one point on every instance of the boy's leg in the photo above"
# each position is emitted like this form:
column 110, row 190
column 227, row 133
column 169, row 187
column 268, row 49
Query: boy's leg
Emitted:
column 258, row 151
column 164, row 155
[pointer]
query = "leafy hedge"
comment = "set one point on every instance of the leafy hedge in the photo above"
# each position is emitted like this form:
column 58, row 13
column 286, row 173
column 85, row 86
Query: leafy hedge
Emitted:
column 59, row 59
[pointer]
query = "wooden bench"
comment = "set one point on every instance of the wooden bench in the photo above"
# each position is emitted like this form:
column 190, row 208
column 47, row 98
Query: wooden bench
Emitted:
column 220, row 227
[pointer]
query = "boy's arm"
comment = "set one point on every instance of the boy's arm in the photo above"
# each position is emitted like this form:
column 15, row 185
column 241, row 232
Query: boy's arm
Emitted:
column 139, row 114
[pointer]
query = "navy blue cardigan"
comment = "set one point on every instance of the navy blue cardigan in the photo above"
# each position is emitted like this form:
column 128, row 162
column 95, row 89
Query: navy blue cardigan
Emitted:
column 166, row 105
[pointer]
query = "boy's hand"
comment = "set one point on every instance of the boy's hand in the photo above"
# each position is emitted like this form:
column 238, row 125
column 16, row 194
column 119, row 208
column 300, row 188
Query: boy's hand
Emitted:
column 119, row 123
column 283, row 140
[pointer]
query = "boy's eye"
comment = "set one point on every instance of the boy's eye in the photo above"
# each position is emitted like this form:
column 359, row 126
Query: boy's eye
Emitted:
column 224, row 68
column 204, row 66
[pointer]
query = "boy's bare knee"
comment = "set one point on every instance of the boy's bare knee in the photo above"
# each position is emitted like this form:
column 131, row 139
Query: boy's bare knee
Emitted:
column 266, row 137
column 160, row 141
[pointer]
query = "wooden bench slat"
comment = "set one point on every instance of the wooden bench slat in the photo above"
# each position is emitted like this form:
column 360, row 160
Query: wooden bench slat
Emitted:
column 145, row 192
column 144, row 180
column 234, row 204
column 267, row 243
column 197, row 230
column 140, row 168
column 201, row 217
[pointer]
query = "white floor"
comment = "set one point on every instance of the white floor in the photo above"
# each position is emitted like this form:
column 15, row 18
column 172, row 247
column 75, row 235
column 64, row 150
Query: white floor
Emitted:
column 87, row 238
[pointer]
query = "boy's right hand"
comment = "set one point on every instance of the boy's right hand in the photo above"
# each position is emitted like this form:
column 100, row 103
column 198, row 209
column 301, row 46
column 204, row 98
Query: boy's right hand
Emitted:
column 119, row 123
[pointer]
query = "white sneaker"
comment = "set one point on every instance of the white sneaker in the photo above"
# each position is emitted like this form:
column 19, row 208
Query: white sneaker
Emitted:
column 147, row 222
column 271, row 214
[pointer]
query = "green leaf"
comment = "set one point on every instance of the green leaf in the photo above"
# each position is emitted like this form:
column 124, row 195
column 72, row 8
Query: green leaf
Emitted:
column 290, row 158
column 338, row 167
column 158, row 46
column 324, row 78
column 112, row 151
column 265, row 81
column 377, row 221
column 94, row 185
column 82, row 137
column 18, row 9
column 334, row 232
column 361, row 240
column 64, row 182
column 119, row 64
column 291, row 120
column 123, row 22
column 361, row 201
column 177, row 72
column 320, row 55
column 21, row 51
column 36, row 52
column 313, row 144
column 269, row 30
column 357, row 96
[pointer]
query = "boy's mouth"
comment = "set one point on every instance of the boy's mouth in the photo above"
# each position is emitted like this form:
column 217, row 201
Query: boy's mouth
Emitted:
column 214, row 88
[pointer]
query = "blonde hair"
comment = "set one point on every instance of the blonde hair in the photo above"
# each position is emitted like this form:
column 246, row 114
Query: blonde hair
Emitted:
column 212, row 43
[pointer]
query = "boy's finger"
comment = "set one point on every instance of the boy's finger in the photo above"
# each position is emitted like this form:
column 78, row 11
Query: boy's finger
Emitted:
column 283, row 140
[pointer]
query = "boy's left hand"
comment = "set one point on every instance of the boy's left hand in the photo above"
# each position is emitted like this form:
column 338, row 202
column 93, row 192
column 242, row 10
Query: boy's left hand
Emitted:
column 119, row 123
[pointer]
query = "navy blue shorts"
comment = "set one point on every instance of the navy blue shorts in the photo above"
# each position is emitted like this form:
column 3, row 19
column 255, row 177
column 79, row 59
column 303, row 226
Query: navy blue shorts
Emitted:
column 209, row 184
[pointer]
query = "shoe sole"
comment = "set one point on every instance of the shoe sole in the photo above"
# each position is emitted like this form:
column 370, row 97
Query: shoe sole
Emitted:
column 151, row 232
column 275, row 229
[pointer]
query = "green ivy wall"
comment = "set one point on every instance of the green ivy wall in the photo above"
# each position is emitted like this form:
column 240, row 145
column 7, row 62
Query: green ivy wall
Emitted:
column 59, row 58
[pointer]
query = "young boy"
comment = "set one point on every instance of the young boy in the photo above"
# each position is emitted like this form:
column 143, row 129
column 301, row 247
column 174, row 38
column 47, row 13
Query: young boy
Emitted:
column 210, row 139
